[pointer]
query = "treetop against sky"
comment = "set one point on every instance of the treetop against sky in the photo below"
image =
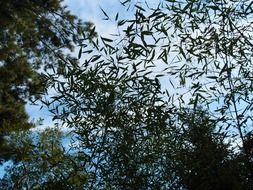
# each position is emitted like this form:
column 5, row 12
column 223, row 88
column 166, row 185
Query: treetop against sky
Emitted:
column 97, row 11
column 129, row 131
column 91, row 11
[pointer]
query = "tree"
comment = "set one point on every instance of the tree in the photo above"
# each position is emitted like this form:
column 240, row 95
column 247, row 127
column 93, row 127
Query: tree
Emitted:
column 45, row 163
column 108, row 99
column 134, row 139
column 210, row 42
column 118, row 119
column 134, row 135
column 33, row 34
column 204, row 160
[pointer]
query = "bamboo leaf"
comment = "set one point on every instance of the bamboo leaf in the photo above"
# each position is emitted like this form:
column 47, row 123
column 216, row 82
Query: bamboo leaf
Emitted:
column 80, row 53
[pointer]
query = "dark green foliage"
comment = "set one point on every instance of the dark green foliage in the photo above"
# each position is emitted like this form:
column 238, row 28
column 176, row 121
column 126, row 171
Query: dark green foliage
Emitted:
column 204, row 160
column 15, row 84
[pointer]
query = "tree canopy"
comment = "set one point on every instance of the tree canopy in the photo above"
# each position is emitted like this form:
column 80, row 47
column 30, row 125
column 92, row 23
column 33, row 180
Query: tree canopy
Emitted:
column 163, row 104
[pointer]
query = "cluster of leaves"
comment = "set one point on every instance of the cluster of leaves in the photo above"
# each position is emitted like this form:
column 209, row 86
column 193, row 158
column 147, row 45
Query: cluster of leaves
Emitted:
column 53, row 30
